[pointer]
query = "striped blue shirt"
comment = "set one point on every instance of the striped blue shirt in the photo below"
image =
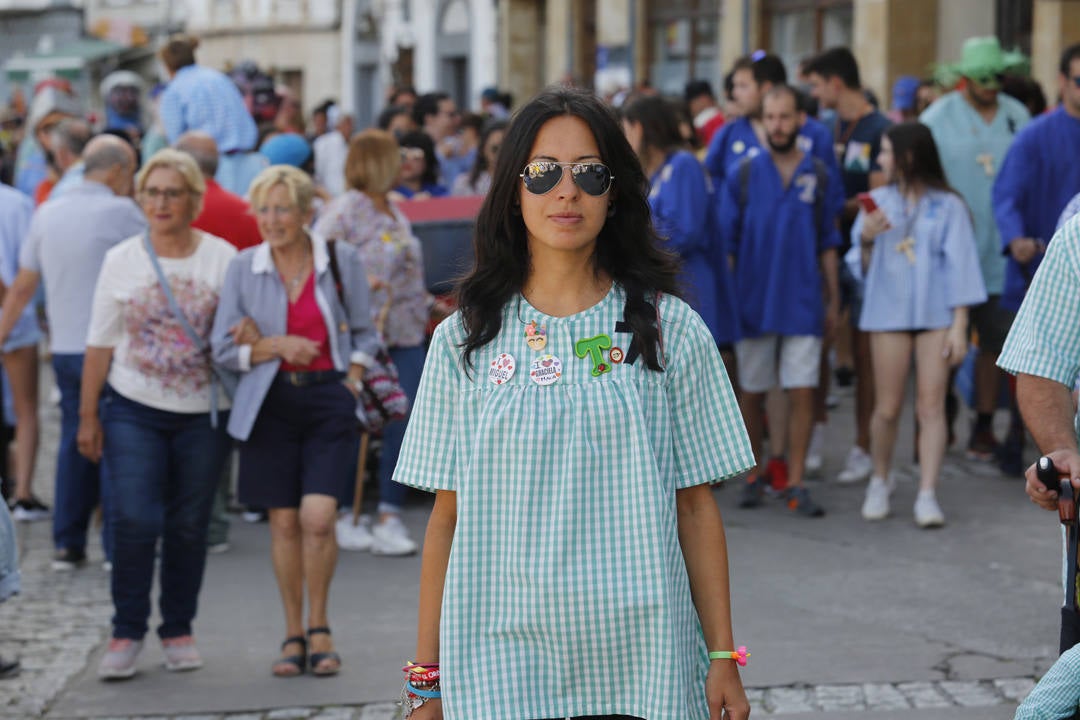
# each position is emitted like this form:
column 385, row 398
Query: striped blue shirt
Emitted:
column 200, row 98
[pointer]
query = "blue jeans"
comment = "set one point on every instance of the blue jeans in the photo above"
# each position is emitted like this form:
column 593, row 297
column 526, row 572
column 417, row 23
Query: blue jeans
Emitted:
column 410, row 365
column 79, row 482
column 163, row 470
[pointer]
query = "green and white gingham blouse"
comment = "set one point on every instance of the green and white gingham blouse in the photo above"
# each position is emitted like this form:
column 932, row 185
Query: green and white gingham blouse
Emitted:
column 566, row 592
column 1045, row 336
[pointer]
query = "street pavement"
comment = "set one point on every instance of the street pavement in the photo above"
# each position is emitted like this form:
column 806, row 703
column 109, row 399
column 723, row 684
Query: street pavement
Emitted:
column 843, row 618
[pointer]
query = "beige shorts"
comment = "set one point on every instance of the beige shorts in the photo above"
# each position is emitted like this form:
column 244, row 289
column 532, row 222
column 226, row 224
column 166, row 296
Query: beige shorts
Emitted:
column 799, row 358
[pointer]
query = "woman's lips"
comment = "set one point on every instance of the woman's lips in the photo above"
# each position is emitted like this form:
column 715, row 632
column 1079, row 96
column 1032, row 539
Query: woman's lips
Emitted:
column 566, row 218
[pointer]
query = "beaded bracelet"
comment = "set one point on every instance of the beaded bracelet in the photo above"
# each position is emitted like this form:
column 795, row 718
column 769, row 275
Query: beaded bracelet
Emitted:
column 738, row 656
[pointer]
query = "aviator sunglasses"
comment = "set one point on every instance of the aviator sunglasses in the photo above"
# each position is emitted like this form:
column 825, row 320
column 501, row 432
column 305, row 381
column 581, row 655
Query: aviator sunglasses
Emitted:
column 541, row 176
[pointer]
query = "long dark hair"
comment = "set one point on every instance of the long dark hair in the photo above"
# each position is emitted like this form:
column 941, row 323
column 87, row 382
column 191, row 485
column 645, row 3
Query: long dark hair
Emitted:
column 659, row 122
column 481, row 163
column 916, row 157
column 627, row 247
column 420, row 139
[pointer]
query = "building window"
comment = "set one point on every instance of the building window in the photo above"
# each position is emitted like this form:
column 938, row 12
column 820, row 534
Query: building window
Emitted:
column 796, row 29
column 1014, row 18
column 684, row 43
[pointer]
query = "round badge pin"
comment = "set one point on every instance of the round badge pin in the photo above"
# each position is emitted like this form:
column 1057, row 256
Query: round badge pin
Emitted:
column 615, row 354
column 546, row 370
column 502, row 369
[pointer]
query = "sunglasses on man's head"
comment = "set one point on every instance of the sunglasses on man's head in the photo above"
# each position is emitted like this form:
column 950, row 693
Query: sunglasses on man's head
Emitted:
column 541, row 176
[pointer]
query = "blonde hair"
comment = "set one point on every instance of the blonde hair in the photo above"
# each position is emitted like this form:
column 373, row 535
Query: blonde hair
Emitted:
column 182, row 163
column 373, row 162
column 295, row 181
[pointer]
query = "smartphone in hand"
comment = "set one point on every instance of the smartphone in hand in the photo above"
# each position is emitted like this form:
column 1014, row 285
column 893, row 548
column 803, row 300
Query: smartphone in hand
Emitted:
column 867, row 202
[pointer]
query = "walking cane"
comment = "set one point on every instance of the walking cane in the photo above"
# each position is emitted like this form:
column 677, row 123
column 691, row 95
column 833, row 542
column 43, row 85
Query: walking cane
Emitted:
column 1049, row 476
column 365, row 436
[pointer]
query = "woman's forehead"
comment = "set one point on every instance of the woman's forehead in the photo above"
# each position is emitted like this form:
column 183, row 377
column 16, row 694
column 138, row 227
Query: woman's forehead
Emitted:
column 565, row 138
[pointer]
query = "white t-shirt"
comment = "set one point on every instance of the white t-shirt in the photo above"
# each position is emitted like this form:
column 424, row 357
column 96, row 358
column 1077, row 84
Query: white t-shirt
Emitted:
column 154, row 361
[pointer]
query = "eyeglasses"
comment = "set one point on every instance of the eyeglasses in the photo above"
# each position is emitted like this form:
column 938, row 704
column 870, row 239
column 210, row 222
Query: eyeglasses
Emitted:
column 988, row 79
column 412, row 153
column 542, row 176
column 170, row 194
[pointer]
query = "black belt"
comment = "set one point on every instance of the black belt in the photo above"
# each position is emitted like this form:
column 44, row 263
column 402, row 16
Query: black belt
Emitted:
column 313, row 377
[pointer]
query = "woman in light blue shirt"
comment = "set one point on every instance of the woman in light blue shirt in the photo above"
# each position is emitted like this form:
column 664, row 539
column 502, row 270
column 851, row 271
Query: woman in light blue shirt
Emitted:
column 916, row 252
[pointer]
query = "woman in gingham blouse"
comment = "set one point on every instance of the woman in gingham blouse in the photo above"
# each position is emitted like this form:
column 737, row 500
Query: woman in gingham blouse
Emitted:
column 575, row 562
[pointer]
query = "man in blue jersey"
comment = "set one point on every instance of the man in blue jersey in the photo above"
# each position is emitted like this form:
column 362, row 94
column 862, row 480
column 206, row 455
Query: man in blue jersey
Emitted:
column 1038, row 178
column 752, row 78
column 779, row 213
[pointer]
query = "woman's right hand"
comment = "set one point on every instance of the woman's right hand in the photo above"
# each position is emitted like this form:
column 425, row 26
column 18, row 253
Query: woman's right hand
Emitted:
column 431, row 710
column 874, row 224
column 297, row 350
column 90, row 438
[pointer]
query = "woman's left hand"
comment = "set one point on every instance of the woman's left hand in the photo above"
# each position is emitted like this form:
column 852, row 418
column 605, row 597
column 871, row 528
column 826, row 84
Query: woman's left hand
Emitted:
column 351, row 385
column 956, row 345
column 724, row 692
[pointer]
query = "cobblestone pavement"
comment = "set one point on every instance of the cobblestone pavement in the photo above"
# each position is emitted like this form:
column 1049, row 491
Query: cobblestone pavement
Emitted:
column 60, row 618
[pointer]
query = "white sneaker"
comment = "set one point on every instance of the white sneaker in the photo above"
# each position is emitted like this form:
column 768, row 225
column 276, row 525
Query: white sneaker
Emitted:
column 391, row 537
column 354, row 537
column 927, row 511
column 813, row 450
column 858, row 467
column 876, row 504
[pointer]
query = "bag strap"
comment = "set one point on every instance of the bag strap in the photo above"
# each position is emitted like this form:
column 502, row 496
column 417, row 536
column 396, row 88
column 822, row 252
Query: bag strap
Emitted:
column 174, row 306
column 335, row 272
column 196, row 339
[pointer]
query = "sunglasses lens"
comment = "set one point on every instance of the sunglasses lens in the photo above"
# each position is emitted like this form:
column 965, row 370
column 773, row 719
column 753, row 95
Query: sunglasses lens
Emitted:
column 592, row 178
column 541, row 177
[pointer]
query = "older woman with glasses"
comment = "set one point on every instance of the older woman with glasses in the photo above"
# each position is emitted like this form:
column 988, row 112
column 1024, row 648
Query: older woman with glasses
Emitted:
column 366, row 218
column 295, row 321
column 153, row 305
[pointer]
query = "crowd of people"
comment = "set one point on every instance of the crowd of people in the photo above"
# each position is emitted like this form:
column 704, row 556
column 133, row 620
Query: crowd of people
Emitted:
column 217, row 272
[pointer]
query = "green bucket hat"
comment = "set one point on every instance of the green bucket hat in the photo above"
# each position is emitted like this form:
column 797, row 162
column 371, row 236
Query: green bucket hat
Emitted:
column 983, row 58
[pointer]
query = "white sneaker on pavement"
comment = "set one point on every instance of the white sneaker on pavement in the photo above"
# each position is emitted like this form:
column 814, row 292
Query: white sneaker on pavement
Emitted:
column 927, row 511
column 118, row 662
column 391, row 537
column 814, row 461
column 876, row 504
column 858, row 467
column 354, row 537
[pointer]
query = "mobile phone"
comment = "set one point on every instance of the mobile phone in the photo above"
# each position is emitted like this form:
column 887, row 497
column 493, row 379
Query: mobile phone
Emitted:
column 867, row 202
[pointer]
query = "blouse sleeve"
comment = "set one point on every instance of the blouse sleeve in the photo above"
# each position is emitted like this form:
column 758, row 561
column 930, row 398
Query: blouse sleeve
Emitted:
column 428, row 453
column 709, row 439
column 965, row 281
column 106, row 311
column 1044, row 337
column 230, row 311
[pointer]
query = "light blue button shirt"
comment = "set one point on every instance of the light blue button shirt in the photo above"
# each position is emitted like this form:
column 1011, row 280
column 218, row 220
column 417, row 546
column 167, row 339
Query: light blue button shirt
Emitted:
column 917, row 290
column 16, row 211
